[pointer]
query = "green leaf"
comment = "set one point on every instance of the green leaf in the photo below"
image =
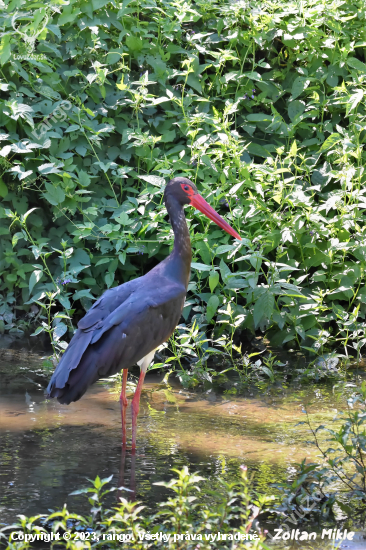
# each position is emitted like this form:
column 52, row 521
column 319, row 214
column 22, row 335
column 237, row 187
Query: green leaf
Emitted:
column 212, row 306
column 134, row 43
column 330, row 142
column 268, row 372
column 258, row 150
column 109, row 278
column 201, row 267
column 206, row 160
column 37, row 331
column 263, row 307
column 59, row 330
column 28, row 213
column 236, row 188
column 158, row 100
column 97, row 4
column 204, row 251
column 288, row 39
column 256, row 260
column 34, row 279
column 213, row 280
column 16, row 237
column 254, row 75
column 5, row 50
column 356, row 64
column 61, row 316
column 85, row 293
column 300, row 84
column 81, row 491
column 168, row 137
column 154, row 180
column 4, row 152
column 68, row 16
column 260, row 117
column 72, row 128
column 103, row 261
column 36, row 299
column 317, row 259
column 354, row 100
column 225, row 271
column 48, row 168
column 290, row 336
column 81, row 150
column 223, row 249
column 64, row 301
column 300, row 330
column 295, row 109
column 195, row 83
column 56, row 31
column 123, row 219
column 54, row 195
column 106, row 480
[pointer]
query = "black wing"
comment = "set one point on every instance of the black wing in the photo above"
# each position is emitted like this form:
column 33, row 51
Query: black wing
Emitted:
column 121, row 328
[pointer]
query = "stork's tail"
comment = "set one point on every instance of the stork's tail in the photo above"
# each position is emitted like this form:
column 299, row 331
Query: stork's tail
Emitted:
column 63, row 379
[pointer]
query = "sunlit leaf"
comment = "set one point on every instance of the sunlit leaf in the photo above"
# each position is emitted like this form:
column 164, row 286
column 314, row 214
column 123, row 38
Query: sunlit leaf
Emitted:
column 34, row 279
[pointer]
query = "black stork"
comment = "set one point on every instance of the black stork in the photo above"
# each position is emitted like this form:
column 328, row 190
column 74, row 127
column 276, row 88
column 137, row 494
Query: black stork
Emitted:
column 128, row 322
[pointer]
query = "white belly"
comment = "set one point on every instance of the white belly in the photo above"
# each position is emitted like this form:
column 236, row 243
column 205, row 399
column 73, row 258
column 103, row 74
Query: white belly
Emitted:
column 145, row 361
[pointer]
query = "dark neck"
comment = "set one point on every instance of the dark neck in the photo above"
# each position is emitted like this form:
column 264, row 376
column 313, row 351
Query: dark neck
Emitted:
column 180, row 258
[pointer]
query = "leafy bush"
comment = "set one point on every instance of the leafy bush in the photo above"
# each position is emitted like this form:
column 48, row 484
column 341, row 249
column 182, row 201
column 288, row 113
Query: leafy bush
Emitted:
column 234, row 512
column 261, row 104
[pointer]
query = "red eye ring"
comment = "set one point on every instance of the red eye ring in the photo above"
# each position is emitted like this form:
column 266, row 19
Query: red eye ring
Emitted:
column 187, row 189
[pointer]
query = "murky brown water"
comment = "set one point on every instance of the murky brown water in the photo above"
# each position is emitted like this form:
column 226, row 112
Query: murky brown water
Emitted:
column 47, row 450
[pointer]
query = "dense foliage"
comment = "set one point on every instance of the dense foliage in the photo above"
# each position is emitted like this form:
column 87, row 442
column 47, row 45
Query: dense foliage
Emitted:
column 261, row 104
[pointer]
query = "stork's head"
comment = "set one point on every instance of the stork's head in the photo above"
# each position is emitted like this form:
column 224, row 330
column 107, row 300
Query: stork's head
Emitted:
column 185, row 192
column 182, row 189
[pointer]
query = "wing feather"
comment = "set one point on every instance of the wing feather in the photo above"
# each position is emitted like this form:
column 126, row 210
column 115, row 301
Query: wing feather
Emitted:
column 141, row 320
column 107, row 303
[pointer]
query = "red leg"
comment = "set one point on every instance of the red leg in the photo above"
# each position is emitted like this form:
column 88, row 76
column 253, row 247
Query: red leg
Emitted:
column 123, row 401
column 135, row 405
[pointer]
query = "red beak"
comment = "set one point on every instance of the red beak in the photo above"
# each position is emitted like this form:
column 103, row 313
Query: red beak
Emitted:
column 199, row 202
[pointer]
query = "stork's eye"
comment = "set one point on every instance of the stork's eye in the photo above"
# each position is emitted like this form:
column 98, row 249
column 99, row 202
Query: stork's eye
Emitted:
column 187, row 189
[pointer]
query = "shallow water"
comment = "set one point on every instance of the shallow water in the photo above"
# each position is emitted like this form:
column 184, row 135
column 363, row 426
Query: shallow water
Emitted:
column 48, row 450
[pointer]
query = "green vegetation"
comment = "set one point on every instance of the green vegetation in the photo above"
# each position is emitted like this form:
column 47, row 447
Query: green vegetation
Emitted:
column 260, row 104
column 232, row 511
column 337, row 485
